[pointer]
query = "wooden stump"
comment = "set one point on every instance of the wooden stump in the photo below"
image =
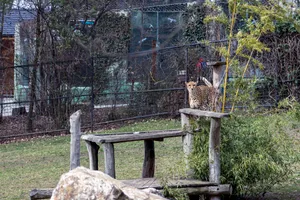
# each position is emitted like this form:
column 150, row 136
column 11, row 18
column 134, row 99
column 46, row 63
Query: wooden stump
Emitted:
column 75, row 123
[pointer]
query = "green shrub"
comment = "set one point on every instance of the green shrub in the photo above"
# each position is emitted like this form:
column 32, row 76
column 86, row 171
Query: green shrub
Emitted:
column 257, row 152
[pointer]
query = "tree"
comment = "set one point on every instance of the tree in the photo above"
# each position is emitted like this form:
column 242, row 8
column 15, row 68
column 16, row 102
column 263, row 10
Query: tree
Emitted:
column 247, row 23
column 76, row 31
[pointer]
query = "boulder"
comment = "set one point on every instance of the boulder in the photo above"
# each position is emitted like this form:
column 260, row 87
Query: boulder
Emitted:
column 82, row 183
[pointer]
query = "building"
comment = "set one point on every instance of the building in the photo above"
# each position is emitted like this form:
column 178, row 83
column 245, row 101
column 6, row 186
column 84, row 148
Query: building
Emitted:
column 11, row 18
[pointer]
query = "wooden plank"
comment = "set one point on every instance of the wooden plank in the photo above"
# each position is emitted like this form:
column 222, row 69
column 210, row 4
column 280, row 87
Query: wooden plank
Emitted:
column 215, row 63
column 138, row 132
column 149, row 159
column 192, row 189
column 187, row 142
column 41, row 193
column 75, row 123
column 200, row 113
column 93, row 150
column 214, row 150
column 156, row 183
column 116, row 138
column 109, row 159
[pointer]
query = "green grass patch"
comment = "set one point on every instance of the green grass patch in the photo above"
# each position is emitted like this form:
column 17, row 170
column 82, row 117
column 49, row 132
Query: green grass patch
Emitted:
column 39, row 163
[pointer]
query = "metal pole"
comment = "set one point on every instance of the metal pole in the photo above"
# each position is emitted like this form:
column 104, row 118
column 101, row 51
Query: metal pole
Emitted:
column 92, row 95
column 157, row 29
column 186, row 74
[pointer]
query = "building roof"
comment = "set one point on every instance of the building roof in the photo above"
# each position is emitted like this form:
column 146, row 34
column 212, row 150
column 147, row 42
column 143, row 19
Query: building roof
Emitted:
column 13, row 17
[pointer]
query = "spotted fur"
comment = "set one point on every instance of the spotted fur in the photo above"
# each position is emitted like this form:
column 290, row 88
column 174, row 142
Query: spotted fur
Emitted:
column 201, row 97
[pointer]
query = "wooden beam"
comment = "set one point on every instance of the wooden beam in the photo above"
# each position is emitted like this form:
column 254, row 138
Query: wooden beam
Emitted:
column 149, row 159
column 93, row 150
column 156, row 183
column 128, row 137
column 109, row 159
column 215, row 63
column 75, row 123
column 214, row 150
column 200, row 113
column 208, row 190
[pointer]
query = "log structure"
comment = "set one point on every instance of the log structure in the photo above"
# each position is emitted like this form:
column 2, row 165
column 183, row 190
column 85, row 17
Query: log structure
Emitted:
column 193, row 188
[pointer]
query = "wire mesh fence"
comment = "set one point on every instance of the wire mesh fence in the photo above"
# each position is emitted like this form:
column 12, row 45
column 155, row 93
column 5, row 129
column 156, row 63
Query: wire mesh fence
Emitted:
column 40, row 98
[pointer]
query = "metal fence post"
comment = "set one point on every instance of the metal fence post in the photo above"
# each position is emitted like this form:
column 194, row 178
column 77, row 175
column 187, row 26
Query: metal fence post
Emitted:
column 186, row 74
column 92, row 95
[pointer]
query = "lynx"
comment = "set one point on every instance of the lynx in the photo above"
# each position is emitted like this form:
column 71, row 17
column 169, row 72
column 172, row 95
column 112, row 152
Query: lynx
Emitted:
column 202, row 97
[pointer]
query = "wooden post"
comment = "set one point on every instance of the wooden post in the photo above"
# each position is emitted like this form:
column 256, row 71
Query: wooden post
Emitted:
column 217, row 74
column 109, row 159
column 93, row 149
column 149, row 159
column 75, row 124
column 187, row 141
column 217, row 78
column 214, row 153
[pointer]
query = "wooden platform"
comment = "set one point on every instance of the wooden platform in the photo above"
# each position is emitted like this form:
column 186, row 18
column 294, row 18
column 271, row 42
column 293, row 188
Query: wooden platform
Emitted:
column 132, row 136
column 108, row 140
column 191, row 187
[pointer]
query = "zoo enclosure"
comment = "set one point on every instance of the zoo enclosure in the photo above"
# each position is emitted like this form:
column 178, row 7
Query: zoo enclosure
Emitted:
column 148, row 83
column 134, row 86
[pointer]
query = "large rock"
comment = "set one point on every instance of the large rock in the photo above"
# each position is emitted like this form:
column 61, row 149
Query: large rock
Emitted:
column 82, row 183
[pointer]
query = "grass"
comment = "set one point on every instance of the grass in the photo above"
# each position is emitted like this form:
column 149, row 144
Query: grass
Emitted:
column 39, row 163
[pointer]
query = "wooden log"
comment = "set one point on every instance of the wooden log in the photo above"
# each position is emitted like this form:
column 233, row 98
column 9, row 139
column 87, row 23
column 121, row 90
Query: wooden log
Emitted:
column 187, row 142
column 93, row 150
column 149, row 159
column 191, row 187
column 41, row 193
column 201, row 113
column 75, row 123
column 109, row 159
column 214, row 150
column 144, row 183
column 225, row 189
column 215, row 63
column 217, row 79
column 217, row 75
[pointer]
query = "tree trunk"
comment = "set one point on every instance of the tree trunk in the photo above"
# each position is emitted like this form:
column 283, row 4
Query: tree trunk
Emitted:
column 34, row 71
